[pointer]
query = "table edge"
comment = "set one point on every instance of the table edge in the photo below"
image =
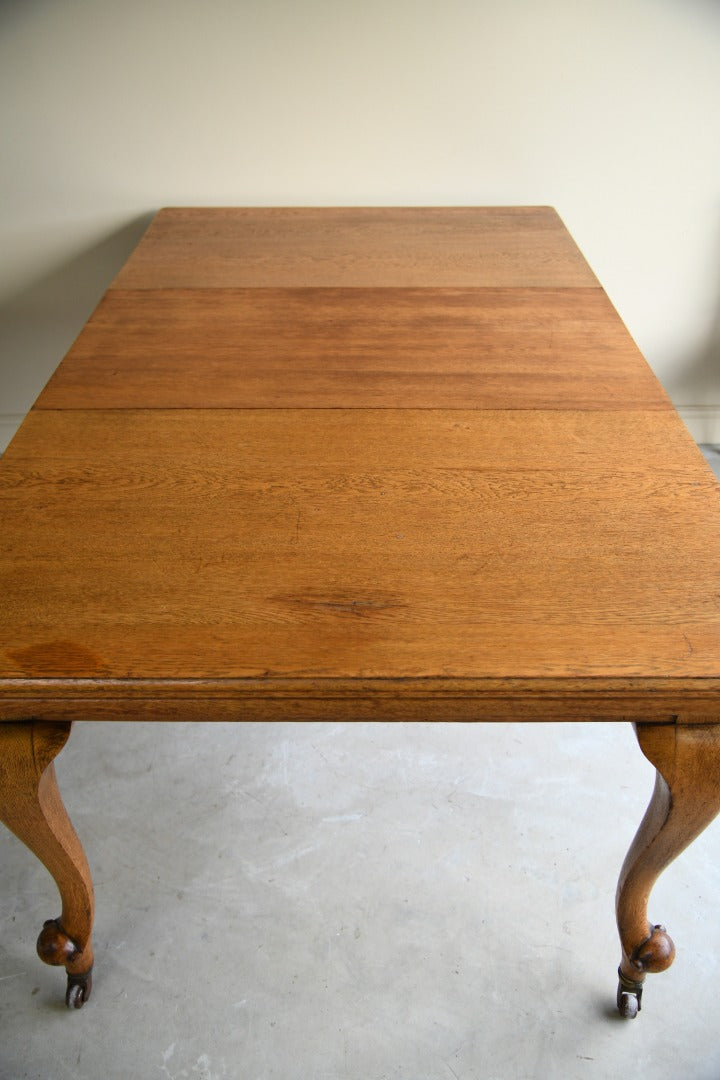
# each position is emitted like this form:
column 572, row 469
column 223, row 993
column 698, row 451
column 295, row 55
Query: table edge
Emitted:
column 661, row 700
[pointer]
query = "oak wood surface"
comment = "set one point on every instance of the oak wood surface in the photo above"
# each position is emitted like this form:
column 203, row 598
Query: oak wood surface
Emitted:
column 31, row 806
column 446, row 487
column 360, row 348
column 358, row 544
column 363, row 246
column 685, row 800
column 663, row 701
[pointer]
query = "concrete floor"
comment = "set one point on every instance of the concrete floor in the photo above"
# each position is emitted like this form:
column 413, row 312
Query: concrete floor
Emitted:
column 377, row 902
column 364, row 901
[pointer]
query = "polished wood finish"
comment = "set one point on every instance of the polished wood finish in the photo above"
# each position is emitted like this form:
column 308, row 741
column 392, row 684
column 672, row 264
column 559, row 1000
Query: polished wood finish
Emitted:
column 685, row 800
column 357, row 348
column 366, row 464
column 397, row 247
column 361, row 545
column 31, row 807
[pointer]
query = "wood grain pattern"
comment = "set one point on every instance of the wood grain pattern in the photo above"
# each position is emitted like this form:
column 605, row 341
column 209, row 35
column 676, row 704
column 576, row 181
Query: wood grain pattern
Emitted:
column 359, row 545
column 358, row 464
column 268, row 698
column 274, row 469
column 363, row 348
column 31, row 807
column 363, row 246
column 685, row 800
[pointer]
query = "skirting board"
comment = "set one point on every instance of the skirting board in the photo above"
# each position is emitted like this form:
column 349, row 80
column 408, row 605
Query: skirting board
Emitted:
column 9, row 423
column 702, row 421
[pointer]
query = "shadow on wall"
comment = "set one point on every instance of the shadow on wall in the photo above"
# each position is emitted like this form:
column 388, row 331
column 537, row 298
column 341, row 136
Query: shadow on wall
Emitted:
column 11, row 9
column 39, row 323
column 698, row 382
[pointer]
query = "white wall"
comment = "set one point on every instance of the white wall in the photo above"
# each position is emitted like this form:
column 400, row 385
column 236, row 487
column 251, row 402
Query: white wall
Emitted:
column 608, row 110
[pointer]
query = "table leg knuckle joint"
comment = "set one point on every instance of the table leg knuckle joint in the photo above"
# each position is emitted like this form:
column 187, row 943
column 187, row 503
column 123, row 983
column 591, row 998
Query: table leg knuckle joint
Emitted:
column 54, row 946
column 656, row 953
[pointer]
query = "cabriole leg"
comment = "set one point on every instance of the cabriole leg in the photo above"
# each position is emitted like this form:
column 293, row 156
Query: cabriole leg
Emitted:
column 31, row 807
column 685, row 800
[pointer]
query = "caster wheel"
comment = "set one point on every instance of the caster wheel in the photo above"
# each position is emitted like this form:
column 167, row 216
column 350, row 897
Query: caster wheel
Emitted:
column 628, row 1004
column 78, row 990
column 629, row 996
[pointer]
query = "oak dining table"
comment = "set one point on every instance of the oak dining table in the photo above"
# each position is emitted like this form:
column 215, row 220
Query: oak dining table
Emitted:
column 386, row 464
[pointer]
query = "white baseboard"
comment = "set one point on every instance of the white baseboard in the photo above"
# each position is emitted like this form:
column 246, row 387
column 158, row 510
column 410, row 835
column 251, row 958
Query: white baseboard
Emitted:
column 702, row 421
column 9, row 423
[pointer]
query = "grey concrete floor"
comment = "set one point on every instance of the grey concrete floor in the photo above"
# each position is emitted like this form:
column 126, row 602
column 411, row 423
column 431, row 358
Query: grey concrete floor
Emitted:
column 364, row 901
column 379, row 902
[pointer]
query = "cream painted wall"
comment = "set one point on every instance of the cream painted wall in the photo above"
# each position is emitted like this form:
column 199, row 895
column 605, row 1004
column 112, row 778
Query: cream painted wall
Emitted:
column 607, row 110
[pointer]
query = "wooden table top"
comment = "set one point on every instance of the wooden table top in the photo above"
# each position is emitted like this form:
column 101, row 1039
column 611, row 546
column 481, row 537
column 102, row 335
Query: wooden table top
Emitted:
column 369, row 463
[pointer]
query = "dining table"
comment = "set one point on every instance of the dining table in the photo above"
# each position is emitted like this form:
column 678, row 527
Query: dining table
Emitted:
column 359, row 463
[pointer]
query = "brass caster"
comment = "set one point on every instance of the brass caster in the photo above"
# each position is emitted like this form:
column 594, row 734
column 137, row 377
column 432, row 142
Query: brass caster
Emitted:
column 55, row 947
column 79, row 988
column 629, row 997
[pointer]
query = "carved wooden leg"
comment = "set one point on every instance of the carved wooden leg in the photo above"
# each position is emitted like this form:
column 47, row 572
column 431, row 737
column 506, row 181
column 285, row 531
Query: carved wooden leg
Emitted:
column 31, row 807
column 685, row 800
